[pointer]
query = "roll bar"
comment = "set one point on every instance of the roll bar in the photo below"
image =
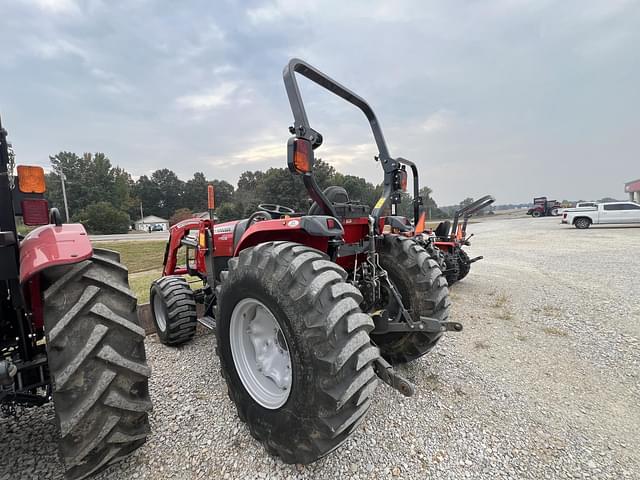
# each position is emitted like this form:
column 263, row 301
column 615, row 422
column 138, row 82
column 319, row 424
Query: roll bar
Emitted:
column 302, row 129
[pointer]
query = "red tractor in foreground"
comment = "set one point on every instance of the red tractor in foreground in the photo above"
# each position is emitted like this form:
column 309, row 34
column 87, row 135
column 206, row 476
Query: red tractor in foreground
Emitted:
column 309, row 308
column 68, row 329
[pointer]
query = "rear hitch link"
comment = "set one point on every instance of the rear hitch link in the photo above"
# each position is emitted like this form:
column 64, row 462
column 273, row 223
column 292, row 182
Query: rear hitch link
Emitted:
column 388, row 375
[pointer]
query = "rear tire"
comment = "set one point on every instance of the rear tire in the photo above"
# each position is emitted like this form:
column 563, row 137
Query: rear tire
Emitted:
column 582, row 223
column 327, row 339
column 424, row 291
column 173, row 308
column 463, row 264
column 97, row 362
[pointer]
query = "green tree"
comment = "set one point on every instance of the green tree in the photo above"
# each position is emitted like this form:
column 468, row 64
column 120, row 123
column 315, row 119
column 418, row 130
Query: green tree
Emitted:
column 180, row 215
column 169, row 190
column 102, row 218
column 88, row 179
column 195, row 193
column 147, row 193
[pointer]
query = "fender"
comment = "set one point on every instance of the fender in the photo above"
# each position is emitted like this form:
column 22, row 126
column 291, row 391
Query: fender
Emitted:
column 314, row 231
column 51, row 245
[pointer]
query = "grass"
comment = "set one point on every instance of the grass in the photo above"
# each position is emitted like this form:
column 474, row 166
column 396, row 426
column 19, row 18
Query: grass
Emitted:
column 548, row 310
column 500, row 301
column 138, row 256
column 141, row 282
column 555, row 331
column 144, row 261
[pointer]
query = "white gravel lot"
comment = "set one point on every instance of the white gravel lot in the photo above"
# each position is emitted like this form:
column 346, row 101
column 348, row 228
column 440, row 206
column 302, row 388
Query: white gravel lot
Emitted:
column 543, row 383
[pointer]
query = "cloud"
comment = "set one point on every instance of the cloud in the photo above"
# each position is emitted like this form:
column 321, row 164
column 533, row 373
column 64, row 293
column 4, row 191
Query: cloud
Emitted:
column 58, row 7
column 456, row 85
column 208, row 100
column 269, row 152
column 438, row 121
column 48, row 48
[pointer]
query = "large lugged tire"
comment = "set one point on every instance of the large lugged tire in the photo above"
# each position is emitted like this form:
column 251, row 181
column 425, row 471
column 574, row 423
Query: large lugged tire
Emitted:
column 452, row 267
column 424, row 292
column 97, row 362
column 463, row 264
column 325, row 336
column 173, row 309
column 434, row 253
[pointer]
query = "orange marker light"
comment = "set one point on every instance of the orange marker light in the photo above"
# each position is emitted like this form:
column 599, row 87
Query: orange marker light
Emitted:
column 301, row 157
column 211, row 198
column 421, row 223
column 403, row 180
column 31, row 179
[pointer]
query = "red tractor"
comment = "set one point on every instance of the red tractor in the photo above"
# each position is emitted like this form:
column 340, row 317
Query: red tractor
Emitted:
column 450, row 238
column 68, row 328
column 444, row 244
column 544, row 208
column 309, row 308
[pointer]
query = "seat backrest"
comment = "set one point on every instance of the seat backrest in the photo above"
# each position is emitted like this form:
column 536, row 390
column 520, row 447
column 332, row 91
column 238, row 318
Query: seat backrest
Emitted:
column 334, row 194
column 443, row 229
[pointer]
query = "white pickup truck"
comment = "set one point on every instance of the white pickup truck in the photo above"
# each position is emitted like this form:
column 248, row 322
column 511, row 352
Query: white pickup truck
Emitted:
column 611, row 212
column 579, row 206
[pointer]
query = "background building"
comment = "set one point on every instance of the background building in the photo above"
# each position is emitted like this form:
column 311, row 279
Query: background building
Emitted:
column 152, row 221
column 633, row 189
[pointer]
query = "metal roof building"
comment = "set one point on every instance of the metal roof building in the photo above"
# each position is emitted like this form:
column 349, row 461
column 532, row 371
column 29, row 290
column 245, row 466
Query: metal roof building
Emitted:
column 633, row 189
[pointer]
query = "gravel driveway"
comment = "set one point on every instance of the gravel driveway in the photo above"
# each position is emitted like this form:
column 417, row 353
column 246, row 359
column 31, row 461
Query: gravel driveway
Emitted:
column 543, row 382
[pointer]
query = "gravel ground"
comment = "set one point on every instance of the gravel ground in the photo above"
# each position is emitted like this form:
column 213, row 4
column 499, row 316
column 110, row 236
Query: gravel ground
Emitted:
column 543, row 382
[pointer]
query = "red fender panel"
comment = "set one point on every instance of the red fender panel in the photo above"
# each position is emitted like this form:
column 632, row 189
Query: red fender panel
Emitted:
column 50, row 245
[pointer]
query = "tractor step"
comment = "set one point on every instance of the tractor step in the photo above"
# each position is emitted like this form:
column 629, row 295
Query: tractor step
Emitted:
column 388, row 375
column 476, row 259
column 208, row 322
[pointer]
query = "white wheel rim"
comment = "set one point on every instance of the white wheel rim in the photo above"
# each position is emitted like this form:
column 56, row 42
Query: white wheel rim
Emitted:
column 160, row 312
column 260, row 353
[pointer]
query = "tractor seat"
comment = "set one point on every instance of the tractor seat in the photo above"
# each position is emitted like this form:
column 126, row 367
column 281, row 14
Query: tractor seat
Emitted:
column 443, row 229
column 241, row 227
column 344, row 207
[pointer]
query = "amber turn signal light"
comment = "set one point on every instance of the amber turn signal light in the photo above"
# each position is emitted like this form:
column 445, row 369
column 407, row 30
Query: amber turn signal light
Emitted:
column 300, row 155
column 31, row 179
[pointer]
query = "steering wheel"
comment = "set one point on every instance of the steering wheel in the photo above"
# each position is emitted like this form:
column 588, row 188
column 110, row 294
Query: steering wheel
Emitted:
column 258, row 217
column 276, row 211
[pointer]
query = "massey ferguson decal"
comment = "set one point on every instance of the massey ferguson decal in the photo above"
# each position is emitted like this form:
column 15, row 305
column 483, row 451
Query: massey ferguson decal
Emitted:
column 224, row 229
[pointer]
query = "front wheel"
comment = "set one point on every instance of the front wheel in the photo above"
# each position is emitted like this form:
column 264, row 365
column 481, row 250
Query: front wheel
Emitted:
column 173, row 309
column 536, row 214
column 582, row 223
column 294, row 349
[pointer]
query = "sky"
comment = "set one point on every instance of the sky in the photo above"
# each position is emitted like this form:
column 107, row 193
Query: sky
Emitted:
column 513, row 98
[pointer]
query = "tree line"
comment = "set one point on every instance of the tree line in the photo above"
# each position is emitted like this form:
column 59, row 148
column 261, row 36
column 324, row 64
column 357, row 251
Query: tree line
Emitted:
column 106, row 198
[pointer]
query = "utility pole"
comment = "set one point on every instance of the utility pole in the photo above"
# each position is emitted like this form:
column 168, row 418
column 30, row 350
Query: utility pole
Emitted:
column 64, row 195
column 141, row 216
